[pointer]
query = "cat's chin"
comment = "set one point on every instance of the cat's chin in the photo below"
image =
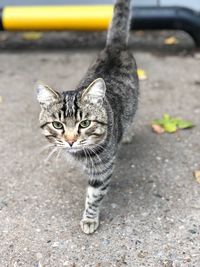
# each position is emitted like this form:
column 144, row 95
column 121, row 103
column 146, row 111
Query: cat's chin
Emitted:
column 74, row 150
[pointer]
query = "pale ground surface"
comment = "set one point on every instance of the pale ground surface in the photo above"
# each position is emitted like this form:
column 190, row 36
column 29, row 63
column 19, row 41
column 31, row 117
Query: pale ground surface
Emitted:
column 151, row 217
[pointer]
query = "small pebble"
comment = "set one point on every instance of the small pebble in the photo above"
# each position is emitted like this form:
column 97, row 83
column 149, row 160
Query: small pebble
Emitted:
column 192, row 231
column 55, row 245
column 168, row 263
column 142, row 254
column 66, row 263
column 114, row 206
column 105, row 242
column 137, row 242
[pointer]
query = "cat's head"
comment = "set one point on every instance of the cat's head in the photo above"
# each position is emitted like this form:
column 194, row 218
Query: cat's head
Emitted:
column 75, row 119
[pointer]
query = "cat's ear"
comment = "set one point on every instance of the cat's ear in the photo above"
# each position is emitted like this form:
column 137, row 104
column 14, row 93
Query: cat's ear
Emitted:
column 95, row 92
column 45, row 94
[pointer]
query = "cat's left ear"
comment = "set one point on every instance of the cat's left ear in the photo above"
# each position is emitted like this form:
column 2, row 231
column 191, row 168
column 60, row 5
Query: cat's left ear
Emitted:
column 95, row 92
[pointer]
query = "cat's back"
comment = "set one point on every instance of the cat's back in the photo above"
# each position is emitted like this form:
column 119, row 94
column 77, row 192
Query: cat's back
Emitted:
column 113, row 62
column 119, row 71
column 113, row 65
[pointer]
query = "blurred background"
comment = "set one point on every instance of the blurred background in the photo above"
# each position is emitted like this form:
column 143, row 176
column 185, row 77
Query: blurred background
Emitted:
column 161, row 16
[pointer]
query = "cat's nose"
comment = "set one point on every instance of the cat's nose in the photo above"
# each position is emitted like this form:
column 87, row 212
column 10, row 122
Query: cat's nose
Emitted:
column 71, row 142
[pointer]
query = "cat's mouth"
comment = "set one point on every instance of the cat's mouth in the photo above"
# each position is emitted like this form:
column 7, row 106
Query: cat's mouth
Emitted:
column 78, row 148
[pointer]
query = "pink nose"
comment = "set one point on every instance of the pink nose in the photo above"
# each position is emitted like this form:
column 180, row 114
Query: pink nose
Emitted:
column 70, row 142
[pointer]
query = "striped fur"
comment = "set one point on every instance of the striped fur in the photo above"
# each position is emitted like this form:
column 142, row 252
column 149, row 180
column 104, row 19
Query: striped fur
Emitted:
column 106, row 99
column 118, row 31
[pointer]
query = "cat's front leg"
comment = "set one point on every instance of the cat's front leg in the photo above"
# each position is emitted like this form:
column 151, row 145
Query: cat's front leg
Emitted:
column 97, row 189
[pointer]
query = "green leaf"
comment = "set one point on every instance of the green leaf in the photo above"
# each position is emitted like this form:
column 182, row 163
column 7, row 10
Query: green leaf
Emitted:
column 185, row 124
column 171, row 124
column 170, row 127
column 163, row 121
column 166, row 117
column 182, row 124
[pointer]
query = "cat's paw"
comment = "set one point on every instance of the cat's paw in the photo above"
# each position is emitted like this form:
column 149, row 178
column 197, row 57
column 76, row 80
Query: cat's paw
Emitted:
column 127, row 140
column 88, row 225
column 128, row 137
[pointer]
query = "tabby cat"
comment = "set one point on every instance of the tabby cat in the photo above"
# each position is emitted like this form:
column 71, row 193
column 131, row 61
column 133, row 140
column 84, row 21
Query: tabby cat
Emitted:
column 89, row 122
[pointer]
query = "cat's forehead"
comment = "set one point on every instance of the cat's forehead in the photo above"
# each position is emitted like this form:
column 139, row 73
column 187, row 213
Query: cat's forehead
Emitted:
column 70, row 110
column 74, row 108
column 70, row 104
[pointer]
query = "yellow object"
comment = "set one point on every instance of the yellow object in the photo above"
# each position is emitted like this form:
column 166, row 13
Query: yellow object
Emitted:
column 95, row 17
column 197, row 176
column 141, row 74
column 171, row 41
column 29, row 36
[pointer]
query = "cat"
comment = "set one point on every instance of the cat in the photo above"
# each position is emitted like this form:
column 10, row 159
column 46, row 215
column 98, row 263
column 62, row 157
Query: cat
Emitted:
column 89, row 122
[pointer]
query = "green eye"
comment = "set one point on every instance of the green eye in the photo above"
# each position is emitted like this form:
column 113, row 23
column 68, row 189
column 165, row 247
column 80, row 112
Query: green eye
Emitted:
column 57, row 125
column 85, row 123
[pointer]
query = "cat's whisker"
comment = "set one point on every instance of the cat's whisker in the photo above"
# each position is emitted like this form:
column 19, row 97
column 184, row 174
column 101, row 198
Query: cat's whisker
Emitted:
column 60, row 146
column 99, row 164
column 85, row 156
column 50, row 154
column 45, row 148
column 91, row 160
column 96, row 146
column 58, row 154
column 91, row 166
column 93, row 151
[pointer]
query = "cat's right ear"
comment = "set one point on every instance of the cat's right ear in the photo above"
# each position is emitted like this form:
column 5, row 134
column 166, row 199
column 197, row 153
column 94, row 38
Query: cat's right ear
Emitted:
column 45, row 94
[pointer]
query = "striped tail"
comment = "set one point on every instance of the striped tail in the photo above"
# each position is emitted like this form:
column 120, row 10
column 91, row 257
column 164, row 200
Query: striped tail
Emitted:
column 118, row 31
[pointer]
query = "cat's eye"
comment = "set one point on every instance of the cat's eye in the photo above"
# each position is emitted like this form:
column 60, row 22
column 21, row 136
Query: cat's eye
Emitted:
column 85, row 123
column 57, row 125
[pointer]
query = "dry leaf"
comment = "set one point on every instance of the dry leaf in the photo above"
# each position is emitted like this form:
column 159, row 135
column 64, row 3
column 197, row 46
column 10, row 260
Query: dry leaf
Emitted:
column 141, row 74
column 157, row 128
column 171, row 41
column 197, row 176
column 32, row 36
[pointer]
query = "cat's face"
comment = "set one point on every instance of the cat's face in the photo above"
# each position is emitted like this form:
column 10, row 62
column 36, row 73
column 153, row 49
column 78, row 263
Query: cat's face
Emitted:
column 74, row 120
